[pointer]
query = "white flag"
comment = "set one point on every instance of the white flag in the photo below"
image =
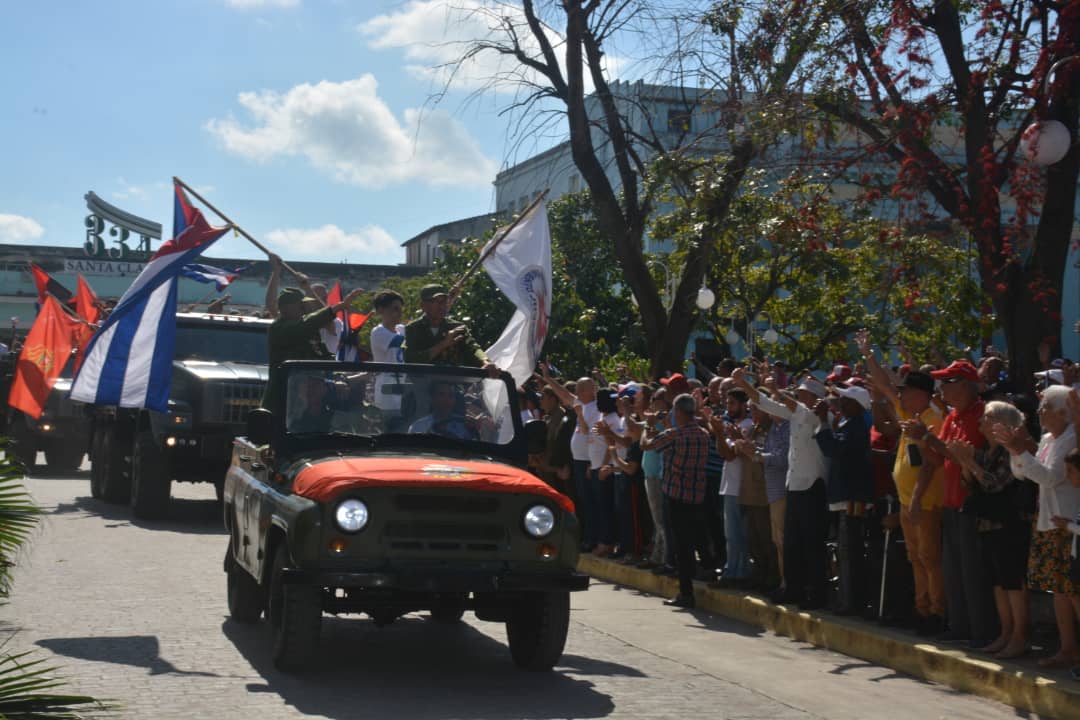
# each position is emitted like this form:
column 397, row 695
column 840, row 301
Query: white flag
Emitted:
column 520, row 265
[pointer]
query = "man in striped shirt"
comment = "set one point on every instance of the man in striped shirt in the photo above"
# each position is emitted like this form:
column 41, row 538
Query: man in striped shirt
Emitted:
column 685, row 450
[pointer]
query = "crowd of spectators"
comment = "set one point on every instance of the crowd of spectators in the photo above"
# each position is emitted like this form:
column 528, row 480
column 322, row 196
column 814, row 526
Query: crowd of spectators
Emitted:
column 931, row 497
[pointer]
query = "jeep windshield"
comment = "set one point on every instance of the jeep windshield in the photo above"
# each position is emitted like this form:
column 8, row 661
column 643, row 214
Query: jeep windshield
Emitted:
column 221, row 343
column 412, row 405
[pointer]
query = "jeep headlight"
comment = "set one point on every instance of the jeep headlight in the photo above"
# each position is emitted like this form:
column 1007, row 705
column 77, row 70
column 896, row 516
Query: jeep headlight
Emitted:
column 539, row 521
column 351, row 515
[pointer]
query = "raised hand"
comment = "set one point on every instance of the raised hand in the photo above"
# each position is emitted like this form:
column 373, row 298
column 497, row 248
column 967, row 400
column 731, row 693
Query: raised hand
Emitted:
column 862, row 341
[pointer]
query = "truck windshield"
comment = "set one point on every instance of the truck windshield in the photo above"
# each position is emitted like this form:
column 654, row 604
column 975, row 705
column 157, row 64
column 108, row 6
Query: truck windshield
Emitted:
column 221, row 343
column 416, row 403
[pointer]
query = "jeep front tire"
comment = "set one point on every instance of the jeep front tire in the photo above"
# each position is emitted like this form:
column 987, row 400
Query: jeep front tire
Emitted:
column 295, row 617
column 537, row 629
column 150, row 482
column 247, row 598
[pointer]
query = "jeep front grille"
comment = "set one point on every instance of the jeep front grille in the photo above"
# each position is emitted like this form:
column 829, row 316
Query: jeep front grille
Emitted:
column 472, row 537
column 442, row 504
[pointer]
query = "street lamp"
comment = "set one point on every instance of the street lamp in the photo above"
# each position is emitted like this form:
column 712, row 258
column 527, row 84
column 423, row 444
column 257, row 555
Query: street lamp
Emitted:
column 669, row 282
column 1046, row 142
column 705, row 298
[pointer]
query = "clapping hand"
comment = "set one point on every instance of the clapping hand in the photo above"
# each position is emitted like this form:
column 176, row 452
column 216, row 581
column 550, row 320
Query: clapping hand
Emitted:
column 1014, row 439
column 914, row 429
column 1060, row 523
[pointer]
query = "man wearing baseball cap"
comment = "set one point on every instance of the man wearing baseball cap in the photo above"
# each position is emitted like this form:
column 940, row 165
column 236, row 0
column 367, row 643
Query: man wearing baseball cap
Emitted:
column 437, row 340
column 295, row 335
column 968, row 593
column 805, row 518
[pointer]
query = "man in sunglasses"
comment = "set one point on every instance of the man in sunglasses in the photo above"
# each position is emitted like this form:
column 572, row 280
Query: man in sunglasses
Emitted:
column 968, row 593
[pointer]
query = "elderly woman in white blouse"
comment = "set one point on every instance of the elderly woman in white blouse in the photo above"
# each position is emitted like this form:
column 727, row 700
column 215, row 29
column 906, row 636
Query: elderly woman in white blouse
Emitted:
column 1048, row 563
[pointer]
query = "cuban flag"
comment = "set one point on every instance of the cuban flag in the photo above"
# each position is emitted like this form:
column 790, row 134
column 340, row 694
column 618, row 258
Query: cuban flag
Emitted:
column 210, row 274
column 128, row 362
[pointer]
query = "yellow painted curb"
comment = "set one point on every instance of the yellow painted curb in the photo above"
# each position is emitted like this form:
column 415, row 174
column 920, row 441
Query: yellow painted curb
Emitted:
column 1004, row 682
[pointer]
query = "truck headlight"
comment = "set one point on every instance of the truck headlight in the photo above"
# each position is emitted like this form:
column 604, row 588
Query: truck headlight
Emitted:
column 351, row 515
column 539, row 521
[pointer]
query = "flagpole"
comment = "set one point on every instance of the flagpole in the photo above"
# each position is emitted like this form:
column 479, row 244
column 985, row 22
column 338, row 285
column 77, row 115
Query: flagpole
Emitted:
column 235, row 227
column 491, row 248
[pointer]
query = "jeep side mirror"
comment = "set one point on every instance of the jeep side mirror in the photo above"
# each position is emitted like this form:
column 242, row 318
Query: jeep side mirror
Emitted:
column 536, row 436
column 260, row 424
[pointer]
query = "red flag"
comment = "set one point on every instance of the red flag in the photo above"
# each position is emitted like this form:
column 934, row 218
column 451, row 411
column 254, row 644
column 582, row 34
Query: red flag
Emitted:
column 86, row 302
column 44, row 354
column 357, row 320
column 334, row 297
column 89, row 309
column 46, row 284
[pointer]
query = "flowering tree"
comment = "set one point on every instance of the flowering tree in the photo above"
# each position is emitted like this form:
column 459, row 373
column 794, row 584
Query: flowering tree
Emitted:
column 939, row 93
column 738, row 60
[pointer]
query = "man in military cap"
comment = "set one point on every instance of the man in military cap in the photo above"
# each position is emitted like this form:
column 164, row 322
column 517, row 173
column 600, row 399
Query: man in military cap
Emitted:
column 295, row 336
column 435, row 339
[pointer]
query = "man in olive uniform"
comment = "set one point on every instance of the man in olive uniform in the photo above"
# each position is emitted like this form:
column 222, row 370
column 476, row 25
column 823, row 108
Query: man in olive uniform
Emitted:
column 295, row 336
column 436, row 340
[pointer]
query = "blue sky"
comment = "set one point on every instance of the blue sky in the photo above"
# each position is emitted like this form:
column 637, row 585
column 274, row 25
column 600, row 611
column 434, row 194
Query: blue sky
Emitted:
column 307, row 121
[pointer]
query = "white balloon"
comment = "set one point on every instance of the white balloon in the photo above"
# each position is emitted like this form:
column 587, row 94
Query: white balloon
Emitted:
column 1045, row 142
column 705, row 298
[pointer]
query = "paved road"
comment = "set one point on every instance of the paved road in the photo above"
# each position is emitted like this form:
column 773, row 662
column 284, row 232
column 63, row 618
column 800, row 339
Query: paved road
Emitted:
column 136, row 612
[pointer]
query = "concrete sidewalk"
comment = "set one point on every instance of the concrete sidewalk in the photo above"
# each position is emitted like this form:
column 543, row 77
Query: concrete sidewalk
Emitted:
column 1020, row 683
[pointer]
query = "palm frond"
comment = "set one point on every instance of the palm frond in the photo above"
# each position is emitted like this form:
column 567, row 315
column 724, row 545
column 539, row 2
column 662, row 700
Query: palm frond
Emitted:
column 19, row 515
column 26, row 693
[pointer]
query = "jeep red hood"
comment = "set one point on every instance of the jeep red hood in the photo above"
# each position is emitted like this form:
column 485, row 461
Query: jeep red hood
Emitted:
column 324, row 480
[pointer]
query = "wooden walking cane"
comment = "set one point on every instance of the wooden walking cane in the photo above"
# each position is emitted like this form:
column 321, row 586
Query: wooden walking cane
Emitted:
column 235, row 227
column 456, row 290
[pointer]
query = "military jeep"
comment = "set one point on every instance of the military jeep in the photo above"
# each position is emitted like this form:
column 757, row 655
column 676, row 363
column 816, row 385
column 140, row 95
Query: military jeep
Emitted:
column 389, row 489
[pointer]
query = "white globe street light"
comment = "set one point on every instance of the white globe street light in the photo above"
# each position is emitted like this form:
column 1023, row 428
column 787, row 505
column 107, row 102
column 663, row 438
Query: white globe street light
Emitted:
column 705, row 298
column 770, row 336
column 1045, row 142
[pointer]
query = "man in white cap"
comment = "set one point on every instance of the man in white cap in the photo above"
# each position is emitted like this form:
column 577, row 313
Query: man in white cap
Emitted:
column 846, row 442
column 805, row 518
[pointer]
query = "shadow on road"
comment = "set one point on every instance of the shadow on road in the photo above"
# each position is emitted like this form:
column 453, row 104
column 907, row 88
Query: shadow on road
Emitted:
column 137, row 650
column 419, row 669
column 186, row 515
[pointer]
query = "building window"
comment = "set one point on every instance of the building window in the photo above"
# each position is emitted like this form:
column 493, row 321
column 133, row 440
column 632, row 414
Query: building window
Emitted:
column 575, row 182
column 678, row 120
column 523, row 202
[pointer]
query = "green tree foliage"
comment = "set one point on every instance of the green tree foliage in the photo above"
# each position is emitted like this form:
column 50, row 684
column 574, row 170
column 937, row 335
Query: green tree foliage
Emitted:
column 816, row 270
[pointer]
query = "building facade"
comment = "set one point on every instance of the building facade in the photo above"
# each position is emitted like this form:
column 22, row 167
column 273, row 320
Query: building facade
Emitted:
column 109, row 278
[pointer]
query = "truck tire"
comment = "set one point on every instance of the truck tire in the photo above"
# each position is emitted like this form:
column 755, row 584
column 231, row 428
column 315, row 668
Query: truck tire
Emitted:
column 150, row 481
column 23, row 447
column 107, row 479
column 537, row 629
column 247, row 598
column 64, row 459
column 295, row 617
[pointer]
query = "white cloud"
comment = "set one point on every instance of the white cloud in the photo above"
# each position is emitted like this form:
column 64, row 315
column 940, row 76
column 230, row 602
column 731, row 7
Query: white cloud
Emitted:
column 345, row 129
column 436, row 34
column 18, row 229
column 330, row 243
column 258, row 4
